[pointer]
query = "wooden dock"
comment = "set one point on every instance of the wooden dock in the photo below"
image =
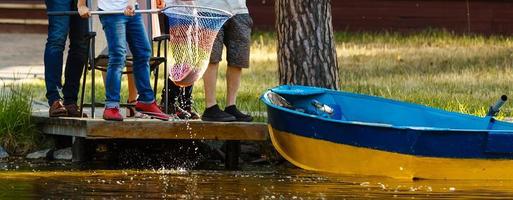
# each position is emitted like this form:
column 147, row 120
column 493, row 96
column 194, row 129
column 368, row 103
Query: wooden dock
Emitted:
column 84, row 130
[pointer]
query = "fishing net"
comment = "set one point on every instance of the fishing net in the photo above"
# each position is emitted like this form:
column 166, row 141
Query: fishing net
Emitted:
column 192, row 31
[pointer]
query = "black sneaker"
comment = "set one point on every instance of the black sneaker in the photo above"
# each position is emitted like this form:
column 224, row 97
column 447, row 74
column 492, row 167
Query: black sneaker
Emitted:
column 232, row 110
column 215, row 114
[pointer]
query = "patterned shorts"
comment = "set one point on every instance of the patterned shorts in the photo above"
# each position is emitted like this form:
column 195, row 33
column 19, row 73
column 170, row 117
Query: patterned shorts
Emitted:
column 236, row 36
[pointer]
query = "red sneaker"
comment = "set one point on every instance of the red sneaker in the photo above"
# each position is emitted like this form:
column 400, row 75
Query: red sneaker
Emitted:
column 112, row 114
column 152, row 110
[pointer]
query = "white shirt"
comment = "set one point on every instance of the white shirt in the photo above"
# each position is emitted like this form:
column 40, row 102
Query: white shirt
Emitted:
column 232, row 6
column 112, row 5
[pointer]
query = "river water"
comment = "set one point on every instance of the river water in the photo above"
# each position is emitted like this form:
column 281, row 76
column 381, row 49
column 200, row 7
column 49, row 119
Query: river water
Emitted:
column 65, row 181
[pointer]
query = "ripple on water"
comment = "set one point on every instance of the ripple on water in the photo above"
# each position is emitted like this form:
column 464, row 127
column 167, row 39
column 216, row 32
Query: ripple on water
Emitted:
column 282, row 183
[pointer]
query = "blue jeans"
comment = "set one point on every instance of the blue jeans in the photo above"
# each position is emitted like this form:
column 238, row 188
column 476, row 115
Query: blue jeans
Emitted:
column 120, row 30
column 59, row 28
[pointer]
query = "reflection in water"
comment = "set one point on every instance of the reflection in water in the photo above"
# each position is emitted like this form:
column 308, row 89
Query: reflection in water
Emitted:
column 282, row 183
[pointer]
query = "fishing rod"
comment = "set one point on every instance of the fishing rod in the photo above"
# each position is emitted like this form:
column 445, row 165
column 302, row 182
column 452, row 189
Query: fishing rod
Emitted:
column 100, row 12
column 149, row 11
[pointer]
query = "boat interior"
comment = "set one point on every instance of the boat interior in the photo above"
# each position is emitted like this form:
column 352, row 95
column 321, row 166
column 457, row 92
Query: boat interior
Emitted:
column 357, row 108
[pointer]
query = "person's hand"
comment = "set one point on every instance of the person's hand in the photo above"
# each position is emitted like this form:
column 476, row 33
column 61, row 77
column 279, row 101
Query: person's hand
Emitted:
column 161, row 4
column 129, row 11
column 84, row 12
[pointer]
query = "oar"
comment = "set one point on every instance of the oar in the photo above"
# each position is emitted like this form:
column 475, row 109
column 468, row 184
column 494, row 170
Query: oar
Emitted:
column 497, row 106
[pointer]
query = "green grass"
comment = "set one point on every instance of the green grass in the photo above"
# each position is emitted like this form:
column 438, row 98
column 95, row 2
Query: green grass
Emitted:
column 454, row 72
column 18, row 134
column 464, row 73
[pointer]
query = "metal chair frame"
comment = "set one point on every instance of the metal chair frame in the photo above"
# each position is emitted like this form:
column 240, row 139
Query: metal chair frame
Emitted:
column 91, row 64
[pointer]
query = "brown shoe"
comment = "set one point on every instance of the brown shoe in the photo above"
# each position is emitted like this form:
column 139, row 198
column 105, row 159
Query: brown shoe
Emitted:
column 57, row 109
column 74, row 111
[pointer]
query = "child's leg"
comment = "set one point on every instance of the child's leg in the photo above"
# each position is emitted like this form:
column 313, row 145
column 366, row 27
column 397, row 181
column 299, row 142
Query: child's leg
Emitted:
column 114, row 27
column 212, row 111
column 132, row 94
column 238, row 43
column 132, row 90
column 141, row 50
column 104, row 76
column 210, row 84
column 233, row 75
column 210, row 75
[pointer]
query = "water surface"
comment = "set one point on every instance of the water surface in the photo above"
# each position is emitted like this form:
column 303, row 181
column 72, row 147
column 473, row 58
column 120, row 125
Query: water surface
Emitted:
column 64, row 181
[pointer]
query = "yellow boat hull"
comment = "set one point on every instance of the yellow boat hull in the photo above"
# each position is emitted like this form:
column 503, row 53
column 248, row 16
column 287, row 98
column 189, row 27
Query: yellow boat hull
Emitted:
column 325, row 156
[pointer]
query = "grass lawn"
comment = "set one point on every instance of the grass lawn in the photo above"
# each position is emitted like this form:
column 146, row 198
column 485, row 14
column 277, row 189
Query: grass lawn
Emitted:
column 435, row 68
column 457, row 73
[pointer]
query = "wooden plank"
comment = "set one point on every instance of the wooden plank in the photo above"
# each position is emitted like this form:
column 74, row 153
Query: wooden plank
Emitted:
column 152, row 129
column 61, row 126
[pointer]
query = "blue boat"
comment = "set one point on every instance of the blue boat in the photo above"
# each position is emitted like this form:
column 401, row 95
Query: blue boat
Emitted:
column 346, row 133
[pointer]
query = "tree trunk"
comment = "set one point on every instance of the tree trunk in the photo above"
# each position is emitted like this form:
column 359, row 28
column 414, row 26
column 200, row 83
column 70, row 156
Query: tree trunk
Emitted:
column 306, row 47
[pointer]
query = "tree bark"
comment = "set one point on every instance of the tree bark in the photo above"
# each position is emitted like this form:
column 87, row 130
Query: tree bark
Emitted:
column 306, row 48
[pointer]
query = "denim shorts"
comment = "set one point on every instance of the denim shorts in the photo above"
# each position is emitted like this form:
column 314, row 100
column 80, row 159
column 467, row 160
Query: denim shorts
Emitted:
column 236, row 36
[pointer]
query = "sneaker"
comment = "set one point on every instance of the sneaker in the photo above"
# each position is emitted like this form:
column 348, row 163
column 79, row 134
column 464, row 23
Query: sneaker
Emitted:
column 152, row 110
column 215, row 114
column 232, row 110
column 57, row 109
column 112, row 114
column 74, row 111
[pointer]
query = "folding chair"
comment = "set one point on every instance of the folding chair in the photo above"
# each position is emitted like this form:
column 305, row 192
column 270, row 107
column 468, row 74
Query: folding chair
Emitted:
column 100, row 63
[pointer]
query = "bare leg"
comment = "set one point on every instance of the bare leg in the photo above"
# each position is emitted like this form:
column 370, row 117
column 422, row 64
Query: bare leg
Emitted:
column 104, row 76
column 210, row 80
column 233, row 75
column 212, row 111
column 132, row 93
column 132, row 90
